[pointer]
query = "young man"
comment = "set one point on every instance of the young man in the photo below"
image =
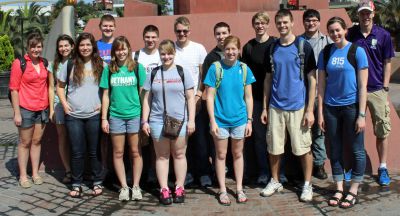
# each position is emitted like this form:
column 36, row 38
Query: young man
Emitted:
column 148, row 56
column 190, row 55
column 377, row 44
column 289, row 94
column 204, row 147
column 253, row 55
column 107, row 28
column 317, row 40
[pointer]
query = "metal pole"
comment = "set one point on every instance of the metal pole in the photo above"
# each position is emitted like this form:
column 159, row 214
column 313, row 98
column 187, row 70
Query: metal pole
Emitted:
column 22, row 36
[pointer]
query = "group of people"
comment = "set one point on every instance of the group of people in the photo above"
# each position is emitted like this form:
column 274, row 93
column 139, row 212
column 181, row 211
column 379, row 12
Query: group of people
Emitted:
column 295, row 88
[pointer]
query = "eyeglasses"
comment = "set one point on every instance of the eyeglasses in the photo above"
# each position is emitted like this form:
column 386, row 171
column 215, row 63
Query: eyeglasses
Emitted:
column 185, row 31
column 311, row 20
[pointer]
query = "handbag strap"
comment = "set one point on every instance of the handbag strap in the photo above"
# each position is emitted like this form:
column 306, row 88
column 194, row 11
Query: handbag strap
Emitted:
column 163, row 90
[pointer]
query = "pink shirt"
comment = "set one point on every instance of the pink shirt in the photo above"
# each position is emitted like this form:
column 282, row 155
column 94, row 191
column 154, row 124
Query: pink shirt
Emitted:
column 32, row 86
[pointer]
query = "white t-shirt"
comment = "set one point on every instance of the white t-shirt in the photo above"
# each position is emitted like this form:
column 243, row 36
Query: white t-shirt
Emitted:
column 190, row 57
column 148, row 61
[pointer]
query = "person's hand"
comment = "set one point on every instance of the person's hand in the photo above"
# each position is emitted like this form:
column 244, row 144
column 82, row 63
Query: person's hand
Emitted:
column 360, row 124
column 105, row 126
column 17, row 120
column 308, row 119
column 249, row 129
column 190, row 127
column 146, row 128
column 264, row 116
column 214, row 129
column 67, row 108
column 321, row 122
column 52, row 117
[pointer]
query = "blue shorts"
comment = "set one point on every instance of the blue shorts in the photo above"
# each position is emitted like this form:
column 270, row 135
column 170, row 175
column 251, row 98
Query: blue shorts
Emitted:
column 233, row 132
column 122, row 126
column 156, row 130
column 30, row 118
column 59, row 113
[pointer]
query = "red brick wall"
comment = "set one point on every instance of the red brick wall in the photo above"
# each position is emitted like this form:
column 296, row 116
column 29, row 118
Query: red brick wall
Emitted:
column 138, row 8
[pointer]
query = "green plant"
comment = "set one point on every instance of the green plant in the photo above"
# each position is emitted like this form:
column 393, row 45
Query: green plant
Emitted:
column 6, row 53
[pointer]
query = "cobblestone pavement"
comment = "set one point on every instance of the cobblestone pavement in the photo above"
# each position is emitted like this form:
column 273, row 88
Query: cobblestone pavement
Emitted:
column 51, row 198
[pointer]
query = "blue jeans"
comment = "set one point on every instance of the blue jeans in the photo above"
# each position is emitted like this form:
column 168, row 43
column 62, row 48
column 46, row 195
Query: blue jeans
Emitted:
column 84, row 135
column 318, row 145
column 202, row 147
column 340, row 125
column 259, row 140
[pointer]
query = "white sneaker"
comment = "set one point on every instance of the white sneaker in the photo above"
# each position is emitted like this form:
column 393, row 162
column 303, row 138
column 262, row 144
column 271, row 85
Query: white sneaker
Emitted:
column 307, row 193
column 124, row 194
column 136, row 193
column 272, row 187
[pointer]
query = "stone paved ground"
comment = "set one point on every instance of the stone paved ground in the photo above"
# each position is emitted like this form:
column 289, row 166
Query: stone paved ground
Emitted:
column 51, row 197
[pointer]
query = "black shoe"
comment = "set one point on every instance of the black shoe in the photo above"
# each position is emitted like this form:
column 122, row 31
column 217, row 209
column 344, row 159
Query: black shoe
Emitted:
column 165, row 196
column 319, row 172
column 179, row 195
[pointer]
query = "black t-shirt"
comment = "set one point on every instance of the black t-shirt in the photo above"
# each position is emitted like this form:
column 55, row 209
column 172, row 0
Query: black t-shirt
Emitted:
column 254, row 55
column 215, row 55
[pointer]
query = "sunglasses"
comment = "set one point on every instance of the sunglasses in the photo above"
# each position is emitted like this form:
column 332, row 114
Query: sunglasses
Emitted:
column 185, row 31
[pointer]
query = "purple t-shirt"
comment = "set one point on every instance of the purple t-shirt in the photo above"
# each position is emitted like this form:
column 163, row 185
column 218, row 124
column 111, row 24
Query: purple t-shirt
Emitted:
column 104, row 51
column 378, row 46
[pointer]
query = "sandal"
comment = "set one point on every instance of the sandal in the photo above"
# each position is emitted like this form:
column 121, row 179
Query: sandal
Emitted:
column 351, row 202
column 67, row 178
column 25, row 184
column 223, row 198
column 37, row 180
column 97, row 190
column 335, row 198
column 76, row 192
column 241, row 197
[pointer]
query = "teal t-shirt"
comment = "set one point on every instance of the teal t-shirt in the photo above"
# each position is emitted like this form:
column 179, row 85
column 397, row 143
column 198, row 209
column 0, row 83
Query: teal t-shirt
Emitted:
column 229, row 106
column 54, row 73
column 124, row 96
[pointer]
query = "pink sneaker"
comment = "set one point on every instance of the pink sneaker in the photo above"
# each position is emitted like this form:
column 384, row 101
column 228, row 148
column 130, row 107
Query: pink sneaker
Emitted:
column 179, row 195
column 165, row 196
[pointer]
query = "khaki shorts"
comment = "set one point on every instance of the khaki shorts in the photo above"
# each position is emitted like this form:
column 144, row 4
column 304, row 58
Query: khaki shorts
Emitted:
column 378, row 106
column 280, row 121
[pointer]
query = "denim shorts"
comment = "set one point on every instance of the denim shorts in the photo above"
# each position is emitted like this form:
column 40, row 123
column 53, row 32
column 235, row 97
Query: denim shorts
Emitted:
column 233, row 132
column 59, row 113
column 122, row 126
column 156, row 130
column 30, row 118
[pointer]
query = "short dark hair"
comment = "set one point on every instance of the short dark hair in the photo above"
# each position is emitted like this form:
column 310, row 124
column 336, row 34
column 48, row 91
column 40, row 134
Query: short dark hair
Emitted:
column 282, row 13
column 311, row 13
column 336, row 19
column 150, row 28
column 221, row 25
column 106, row 17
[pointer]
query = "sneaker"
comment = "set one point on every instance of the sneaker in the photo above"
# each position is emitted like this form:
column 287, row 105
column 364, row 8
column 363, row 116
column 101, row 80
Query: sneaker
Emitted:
column 205, row 181
column 319, row 172
column 272, row 187
column 124, row 194
column 262, row 179
column 307, row 193
column 179, row 195
column 165, row 196
column 136, row 193
column 188, row 179
column 383, row 177
column 347, row 175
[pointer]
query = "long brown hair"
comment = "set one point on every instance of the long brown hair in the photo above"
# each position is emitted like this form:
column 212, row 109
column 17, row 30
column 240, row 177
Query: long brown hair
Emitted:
column 97, row 62
column 58, row 57
column 121, row 42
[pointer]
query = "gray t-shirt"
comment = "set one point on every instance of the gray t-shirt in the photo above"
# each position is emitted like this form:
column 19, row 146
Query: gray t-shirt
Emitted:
column 83, row 99
column 174, row 94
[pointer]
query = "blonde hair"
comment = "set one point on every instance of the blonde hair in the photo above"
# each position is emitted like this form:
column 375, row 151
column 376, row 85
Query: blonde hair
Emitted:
column 232, row 39
column 167, row 46
column 262, row 15
column 183, row 21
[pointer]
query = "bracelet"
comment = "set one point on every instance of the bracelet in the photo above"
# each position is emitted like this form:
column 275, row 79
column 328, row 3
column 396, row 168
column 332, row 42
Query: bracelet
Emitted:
column 144, row 122
column 104, row 119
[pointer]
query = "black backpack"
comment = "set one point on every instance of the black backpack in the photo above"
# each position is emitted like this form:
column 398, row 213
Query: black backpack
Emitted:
column 23, row 68
column 351, row 56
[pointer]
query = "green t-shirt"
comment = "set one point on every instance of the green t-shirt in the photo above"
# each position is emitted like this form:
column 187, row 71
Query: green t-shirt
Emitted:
column 124, row 97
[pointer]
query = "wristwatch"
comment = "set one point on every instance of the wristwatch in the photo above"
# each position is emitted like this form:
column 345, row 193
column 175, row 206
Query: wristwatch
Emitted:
column 386, row 89
column 250, row 119
column 361, row 114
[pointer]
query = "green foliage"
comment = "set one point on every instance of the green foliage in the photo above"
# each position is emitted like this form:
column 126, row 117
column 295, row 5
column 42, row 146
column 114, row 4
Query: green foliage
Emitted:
column 6, row 53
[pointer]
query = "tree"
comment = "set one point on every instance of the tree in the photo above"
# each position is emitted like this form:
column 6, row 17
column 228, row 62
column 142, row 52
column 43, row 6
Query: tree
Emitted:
column 6, row 53
column 388, row 16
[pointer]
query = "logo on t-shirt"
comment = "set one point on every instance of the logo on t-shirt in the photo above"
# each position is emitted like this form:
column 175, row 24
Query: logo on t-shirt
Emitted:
column 338, row 62
column 150, row 67
column 123, row 81
column 374, row 42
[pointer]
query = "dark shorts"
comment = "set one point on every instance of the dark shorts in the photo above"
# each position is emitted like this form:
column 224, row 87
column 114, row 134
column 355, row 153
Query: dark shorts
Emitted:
column 30, row 118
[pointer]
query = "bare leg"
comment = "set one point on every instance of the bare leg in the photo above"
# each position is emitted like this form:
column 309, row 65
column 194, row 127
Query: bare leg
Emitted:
column 178, row 148
column 118, row 142
column 36, row 147
column 274, row 161
column 162, row 149
column 237, row 152
column 136, row 157
column 382, row 148
column 25, row 140
column 307, row 164
column 221, row 147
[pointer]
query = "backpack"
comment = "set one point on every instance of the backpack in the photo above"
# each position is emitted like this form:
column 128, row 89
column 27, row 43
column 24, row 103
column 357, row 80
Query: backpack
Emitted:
column 219, row 73
column 351, row 56
column 136, row 55
column 23, row 68
column 178, row 67
column 299, row 42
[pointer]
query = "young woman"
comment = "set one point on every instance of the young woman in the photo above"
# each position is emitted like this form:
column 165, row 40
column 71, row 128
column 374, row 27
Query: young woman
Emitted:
column 342, row 93
column 29, row 95
column 81, row 103
column 169, row 93
column 121, row 100
column 65, row 46
column 230, row 107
